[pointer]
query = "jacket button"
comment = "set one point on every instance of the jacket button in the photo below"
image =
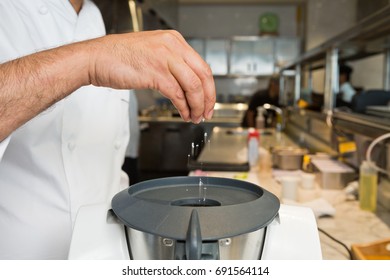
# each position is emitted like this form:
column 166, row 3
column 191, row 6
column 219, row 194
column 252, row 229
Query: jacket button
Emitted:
column 43, row 10
column 117, row 144
column 71, row 145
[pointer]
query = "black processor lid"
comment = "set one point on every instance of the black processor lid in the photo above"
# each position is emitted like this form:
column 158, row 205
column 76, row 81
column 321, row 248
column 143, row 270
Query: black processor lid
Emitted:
column 226, row 208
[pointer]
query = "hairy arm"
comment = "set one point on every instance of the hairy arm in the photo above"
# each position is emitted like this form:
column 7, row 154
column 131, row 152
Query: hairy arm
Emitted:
column 159, row 60
column 33, row 83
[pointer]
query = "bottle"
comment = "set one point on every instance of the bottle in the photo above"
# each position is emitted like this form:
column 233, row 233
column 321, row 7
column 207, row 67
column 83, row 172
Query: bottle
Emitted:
column 260, row 118
column 253, row 146
column 307, row 165
column 368, row 186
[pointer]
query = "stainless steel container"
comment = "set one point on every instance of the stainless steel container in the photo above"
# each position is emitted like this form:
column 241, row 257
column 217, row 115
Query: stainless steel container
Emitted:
column 145, row 246
column 288, row 158
column 195, row 218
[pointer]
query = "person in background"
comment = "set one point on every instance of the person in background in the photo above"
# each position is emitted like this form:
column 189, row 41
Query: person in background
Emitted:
column 63, row 127
column 343, row 97
column 259, row 98
column 346, row 90
column 130, row 166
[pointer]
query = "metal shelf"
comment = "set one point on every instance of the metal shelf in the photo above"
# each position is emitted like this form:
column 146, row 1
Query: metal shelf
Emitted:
column 362, row 124
column 368, row 37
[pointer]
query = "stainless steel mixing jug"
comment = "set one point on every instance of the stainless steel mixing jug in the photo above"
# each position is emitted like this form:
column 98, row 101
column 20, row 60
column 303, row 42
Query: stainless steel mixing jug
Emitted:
column 168, row 219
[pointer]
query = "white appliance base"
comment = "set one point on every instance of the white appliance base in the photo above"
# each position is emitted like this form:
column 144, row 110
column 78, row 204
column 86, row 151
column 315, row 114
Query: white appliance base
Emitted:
column 292, row 235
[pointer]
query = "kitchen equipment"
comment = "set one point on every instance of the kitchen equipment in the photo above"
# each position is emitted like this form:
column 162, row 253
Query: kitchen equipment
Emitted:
column 332, row 174
column 308, row 180
column 178, row 218
column 226, row 151
column 290, row 186
column 288, row 158
column 380, row 111
column 168, row 156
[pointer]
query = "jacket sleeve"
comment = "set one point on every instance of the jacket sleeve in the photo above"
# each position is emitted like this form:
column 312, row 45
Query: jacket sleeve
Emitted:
column 3, row 146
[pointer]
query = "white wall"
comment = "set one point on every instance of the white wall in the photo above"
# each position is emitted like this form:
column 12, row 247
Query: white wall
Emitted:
column 230, row 20
column 328, row 18
column 368, row 72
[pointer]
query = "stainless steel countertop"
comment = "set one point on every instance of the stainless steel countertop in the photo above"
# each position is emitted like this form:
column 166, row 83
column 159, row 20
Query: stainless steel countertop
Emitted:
column 230, row 114
column 349, row 224
column 168, row 119
column 226, row 145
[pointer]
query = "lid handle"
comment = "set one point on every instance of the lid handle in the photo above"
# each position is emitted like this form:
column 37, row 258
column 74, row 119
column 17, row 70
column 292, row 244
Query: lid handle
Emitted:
column 194, row 238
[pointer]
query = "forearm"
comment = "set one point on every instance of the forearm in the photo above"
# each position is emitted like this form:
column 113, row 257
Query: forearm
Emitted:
column 31, row 84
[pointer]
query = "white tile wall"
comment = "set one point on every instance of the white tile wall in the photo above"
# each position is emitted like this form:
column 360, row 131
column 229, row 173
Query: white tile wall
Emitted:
column 232, row 20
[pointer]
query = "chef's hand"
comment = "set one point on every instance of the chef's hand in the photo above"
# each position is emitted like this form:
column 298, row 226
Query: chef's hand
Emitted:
column 158, row 60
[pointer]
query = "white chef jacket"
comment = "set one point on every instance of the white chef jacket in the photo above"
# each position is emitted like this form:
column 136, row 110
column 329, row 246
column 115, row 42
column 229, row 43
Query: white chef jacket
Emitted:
column 69, row 155
column 347, row 92
column 133, row 146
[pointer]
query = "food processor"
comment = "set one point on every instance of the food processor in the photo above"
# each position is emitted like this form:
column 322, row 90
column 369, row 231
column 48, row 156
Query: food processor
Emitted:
column 195, row 218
